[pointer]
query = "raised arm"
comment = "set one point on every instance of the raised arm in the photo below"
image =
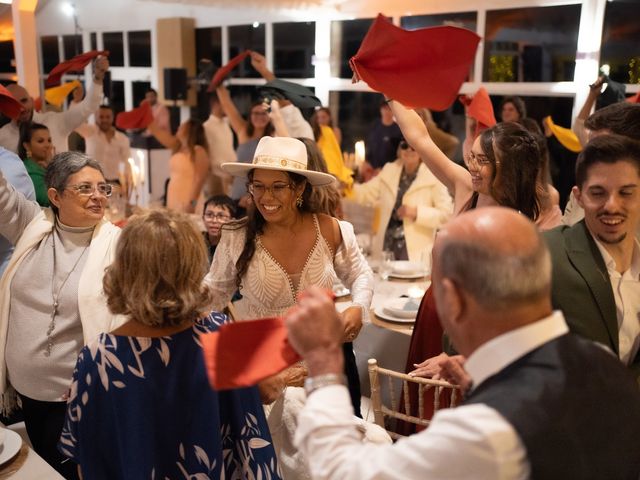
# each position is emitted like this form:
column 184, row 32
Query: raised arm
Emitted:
column 585, row 111
column 163, row 136
column 277, row 120
column 452, row 175
column 74, row 117
column 15, row 210
column 259, row 62
column 236, row 121
column 201, row 164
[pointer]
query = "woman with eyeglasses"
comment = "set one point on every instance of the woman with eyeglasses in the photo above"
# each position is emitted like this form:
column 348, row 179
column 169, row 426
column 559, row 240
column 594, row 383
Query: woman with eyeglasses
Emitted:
column 249, row 132
column 284, row 245
column 502, row 170
column 413, row 204
column 52, row 301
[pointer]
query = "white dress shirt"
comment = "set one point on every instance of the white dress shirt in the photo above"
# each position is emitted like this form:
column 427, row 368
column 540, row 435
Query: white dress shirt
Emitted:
column 220, row 143
column 626, row 292
column 297, row 126
column 60, row 124
column 112, row 154
column 470, row 441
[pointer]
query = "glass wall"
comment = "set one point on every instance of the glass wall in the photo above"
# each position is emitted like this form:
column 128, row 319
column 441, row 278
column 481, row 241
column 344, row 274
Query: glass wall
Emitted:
column 72, row 45
column 246, row 37
column 114, row 43
column 346, row 37
column 294, row 44
column 536, row 44
column 621, row 40
column 139, row 48
column 50, row 53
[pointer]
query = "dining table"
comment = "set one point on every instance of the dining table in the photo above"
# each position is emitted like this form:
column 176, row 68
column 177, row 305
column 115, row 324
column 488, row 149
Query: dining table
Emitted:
column 27, row 465
column 385, row 340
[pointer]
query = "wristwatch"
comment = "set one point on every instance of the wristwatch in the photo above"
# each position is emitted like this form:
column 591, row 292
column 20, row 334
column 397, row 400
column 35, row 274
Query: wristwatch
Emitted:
column 311, row 384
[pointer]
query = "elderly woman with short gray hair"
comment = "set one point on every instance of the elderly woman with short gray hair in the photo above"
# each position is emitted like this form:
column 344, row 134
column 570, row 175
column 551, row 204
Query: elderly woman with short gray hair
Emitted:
column 51, row 293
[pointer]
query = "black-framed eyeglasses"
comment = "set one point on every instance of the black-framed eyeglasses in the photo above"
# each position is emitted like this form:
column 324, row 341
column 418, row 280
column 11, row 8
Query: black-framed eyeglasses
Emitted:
column 278, row 189
column 222, row 217
column 87, row 189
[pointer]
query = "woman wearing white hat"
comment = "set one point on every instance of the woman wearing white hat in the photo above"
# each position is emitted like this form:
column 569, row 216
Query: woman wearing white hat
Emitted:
column 282, row 247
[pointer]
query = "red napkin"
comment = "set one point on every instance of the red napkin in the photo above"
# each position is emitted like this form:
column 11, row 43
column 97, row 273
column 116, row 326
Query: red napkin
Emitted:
column 9, row 106
column 37, row 104
column 76, row 64
column 634, row 98
column 419, row 68
column 480, row 108
column 223, row 71
column 138, row 118
column 243, row 353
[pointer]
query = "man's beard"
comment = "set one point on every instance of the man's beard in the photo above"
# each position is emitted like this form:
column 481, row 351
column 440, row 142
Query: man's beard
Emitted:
column 615, row 241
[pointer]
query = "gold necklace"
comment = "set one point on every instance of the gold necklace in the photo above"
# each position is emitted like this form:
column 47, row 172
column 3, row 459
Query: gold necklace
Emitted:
column 56, row 295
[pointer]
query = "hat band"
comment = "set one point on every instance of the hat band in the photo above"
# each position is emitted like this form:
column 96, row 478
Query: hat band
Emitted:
column 280, row 162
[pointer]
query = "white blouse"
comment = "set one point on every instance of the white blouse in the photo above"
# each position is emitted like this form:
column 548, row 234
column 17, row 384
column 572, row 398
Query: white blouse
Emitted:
column 268, row 290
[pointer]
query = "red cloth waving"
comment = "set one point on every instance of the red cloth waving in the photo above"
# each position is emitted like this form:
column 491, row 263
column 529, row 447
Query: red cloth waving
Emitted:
column 225, row 70
column 242, row 354
column 480, row 108
column 76, row 64
column 135, row 119
column 9, row 106
column 419, row 68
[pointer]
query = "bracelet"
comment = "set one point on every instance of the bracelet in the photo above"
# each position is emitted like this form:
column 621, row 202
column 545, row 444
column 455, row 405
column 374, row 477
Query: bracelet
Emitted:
column 311, row 384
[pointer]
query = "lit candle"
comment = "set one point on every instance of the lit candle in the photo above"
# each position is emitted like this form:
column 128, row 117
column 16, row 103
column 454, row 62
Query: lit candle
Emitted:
column 360, row 153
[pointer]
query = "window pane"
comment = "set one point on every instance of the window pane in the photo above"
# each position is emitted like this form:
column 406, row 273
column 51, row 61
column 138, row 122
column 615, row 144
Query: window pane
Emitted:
column 94, row 40
column 50, row 53
column 346, row 37
column 113, row 42
column 139, row 48
column 531, row 44
column 116, row 95
column 72, row 45
column 357, row 112
column 294, row 45
column 466, row 20
column 209, row 44
column 620, row 40
column 139, row 90
column 246, row 37
column 7, row 57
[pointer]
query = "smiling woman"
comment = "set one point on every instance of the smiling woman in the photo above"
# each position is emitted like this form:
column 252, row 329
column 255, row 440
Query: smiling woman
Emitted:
column 52, row 300
column 284, row 246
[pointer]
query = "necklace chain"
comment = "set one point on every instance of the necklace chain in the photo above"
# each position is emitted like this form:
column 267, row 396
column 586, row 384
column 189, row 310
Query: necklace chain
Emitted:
column 56, row 295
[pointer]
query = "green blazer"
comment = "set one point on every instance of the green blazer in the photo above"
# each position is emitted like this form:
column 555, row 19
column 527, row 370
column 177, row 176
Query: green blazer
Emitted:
column 581, row 288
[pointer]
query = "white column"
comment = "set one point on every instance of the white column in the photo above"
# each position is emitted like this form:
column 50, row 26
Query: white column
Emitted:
column 588, row 54
column 26, row 45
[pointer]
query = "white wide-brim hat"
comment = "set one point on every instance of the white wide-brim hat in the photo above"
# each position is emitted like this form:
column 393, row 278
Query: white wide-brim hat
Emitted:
column 284, row 154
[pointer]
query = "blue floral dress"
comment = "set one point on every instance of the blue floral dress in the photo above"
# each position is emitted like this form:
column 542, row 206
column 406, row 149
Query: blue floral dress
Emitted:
column 142, row 408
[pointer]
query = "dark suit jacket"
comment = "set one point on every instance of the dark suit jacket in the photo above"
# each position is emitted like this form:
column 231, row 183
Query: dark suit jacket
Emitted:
column 581, row 288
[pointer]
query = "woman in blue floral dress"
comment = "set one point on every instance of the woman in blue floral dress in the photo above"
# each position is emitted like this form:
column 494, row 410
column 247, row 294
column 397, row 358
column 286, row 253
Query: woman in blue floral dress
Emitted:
column 140, row 406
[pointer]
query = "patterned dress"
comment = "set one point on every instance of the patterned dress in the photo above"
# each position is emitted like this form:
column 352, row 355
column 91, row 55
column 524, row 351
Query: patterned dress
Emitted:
column 142, row 408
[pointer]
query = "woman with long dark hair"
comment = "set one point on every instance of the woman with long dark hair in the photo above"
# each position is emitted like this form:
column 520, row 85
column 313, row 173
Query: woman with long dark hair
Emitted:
column 284, row 245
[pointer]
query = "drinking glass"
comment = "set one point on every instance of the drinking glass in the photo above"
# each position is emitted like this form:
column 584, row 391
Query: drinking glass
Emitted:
column 386, row 264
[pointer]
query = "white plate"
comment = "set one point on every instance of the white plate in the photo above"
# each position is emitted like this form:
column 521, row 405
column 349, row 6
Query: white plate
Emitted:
column 406, row 267
column 379, row 312
column 401, row 308
column 10, row 447
column 412, row 276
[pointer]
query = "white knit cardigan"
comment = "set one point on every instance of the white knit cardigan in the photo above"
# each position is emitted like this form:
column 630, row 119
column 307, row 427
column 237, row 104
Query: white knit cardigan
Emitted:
column 94, row 313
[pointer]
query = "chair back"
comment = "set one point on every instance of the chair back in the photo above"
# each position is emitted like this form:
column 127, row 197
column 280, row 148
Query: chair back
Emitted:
column 384, row 415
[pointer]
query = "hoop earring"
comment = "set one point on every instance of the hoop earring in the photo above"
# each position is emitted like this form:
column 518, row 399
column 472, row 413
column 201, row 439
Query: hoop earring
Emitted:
column 299, row 202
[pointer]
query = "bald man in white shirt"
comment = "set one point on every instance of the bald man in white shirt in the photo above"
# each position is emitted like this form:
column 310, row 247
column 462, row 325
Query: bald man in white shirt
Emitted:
column 535, row 406
column 60, row 124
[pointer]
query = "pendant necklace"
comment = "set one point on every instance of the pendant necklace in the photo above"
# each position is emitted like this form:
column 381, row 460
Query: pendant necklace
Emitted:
column 55, row 295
